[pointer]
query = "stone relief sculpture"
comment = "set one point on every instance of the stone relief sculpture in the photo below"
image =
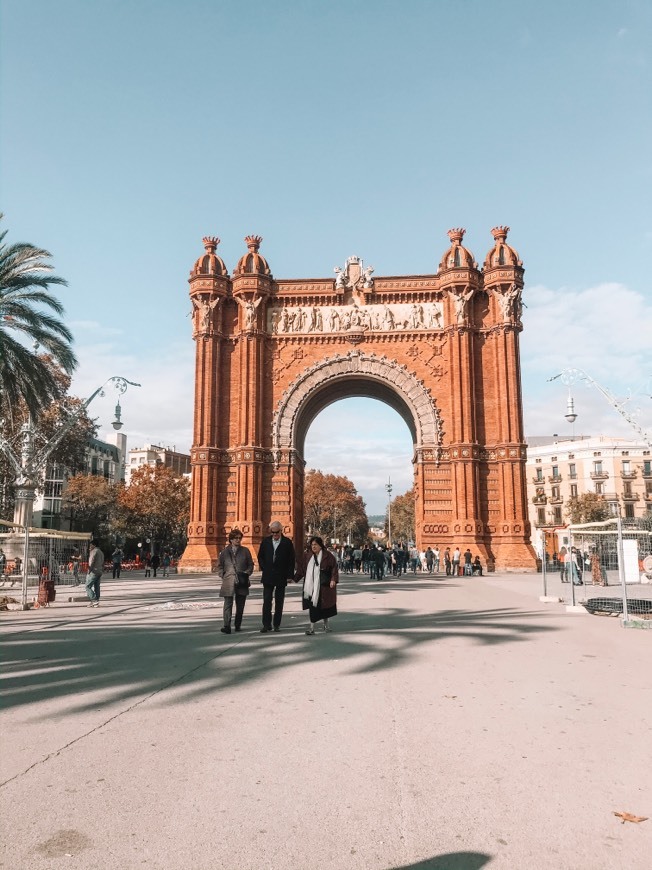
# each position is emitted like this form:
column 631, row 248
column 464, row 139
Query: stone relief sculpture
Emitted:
column 510, row 303
column 359, row 317
column 462, row 304
column 354, row 276
column 203, row 308
column 368, row 281
column 436, row 316
column 249, row 310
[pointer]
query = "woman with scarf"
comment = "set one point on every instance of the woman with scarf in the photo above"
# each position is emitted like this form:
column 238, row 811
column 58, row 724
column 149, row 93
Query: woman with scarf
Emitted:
column 234, row 567
column 320, row 576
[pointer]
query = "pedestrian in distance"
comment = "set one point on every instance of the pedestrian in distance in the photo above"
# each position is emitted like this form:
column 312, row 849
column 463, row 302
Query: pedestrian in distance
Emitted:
column 156, row 561
column 116, row 558
column 437, row 554
column 165, row 562
column 277, row 561
column 234, row 567
column 147, row 562
column 477, row 567
column 320, row 576
column 468, row 563
column 3, row 565
column 447, row 561
column 456, row 561
column 430, row 559
column 95, row 569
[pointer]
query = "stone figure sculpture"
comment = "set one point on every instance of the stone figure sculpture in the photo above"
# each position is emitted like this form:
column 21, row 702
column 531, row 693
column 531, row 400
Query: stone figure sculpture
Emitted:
column 462, row 304
column 204, row 307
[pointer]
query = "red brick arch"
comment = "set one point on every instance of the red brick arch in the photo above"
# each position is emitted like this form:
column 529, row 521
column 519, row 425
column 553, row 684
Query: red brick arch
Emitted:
column 441, row 349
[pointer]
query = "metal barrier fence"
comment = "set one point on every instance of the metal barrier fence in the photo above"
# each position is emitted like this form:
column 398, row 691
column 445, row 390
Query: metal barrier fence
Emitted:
column 53, row 555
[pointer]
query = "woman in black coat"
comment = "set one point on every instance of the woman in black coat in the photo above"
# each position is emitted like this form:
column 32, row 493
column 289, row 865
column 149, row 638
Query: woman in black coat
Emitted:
column 320, row 577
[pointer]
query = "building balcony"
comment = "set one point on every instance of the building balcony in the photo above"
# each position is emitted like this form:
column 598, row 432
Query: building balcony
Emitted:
column 610, row 496
column 556, row 499
column 648, row 497
column 554, row 478
column 539, row 499
column 539, row 480
column 647, row 475
column 630, row 496
column 628, row 475
column 599, row 475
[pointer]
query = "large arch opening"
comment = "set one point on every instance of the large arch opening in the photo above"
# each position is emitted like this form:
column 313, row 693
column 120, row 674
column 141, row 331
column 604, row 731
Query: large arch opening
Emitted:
column 366, row 440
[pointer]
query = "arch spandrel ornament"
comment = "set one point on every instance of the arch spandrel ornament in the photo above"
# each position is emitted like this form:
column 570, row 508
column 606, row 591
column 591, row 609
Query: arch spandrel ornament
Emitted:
column 320, row 378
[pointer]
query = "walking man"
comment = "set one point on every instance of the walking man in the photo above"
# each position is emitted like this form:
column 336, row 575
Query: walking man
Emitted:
column 277, row 561
column 116, row 558
column 95, row 568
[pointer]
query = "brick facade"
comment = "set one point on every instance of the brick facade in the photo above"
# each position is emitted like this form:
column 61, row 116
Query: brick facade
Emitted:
column 442, row 349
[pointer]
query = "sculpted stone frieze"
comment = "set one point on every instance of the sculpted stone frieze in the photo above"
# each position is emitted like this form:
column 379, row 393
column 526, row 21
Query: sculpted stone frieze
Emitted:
column 298, row 319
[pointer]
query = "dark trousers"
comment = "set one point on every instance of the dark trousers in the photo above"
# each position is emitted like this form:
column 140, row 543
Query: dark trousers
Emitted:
column 240, row 601
column 116, row 570
column 278, row 594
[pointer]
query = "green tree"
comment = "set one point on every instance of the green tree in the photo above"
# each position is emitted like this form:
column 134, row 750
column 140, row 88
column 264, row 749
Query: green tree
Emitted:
column 155, row 505
column 333, row 507
column 587, row 508
column 403, row 517
column 29, row 313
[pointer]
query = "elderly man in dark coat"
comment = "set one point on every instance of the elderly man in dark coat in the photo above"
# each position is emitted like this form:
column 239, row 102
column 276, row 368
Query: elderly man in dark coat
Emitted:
column 277, row 561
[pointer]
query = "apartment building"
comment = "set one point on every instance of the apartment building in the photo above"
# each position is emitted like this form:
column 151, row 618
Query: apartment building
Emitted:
column 152, row 454
column 617, row 469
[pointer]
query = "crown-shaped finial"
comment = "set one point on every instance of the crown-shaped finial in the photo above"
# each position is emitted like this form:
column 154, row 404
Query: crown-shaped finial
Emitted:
column 500, row 233
column 253, row 243
column 456, row 235
column 210, row 243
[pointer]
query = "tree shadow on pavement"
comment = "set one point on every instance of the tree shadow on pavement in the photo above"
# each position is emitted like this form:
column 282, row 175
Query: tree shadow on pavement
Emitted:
column 128, row 657
column 450, row 861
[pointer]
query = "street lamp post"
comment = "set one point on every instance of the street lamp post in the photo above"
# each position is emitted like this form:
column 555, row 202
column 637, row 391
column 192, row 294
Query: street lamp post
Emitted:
column 389, row 487
column 29, row 464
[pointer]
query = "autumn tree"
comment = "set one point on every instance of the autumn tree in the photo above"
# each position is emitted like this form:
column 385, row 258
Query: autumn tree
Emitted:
column 92, row 502
column 155, row 505
column 403, row 517
column 333, row 507
column 590, row 507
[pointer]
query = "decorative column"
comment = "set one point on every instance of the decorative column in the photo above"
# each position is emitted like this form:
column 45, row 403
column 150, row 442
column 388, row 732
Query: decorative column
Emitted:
column 209, row 287
column 460, row 279
column 510, row 532
column 252, row 285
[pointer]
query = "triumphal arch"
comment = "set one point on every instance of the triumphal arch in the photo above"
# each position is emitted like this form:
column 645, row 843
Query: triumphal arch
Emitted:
column 441, row 349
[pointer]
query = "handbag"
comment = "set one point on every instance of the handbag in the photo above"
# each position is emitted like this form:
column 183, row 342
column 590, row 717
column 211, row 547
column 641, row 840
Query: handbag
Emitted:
column 242, row 580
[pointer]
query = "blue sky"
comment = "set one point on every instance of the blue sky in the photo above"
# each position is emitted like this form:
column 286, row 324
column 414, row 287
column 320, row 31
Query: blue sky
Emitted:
column 132, row 129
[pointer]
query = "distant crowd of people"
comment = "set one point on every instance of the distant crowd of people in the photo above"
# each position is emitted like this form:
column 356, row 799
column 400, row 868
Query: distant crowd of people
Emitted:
column 398, row 559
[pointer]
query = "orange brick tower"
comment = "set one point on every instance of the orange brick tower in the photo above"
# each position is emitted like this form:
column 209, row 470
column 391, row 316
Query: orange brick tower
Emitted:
column 441, row 349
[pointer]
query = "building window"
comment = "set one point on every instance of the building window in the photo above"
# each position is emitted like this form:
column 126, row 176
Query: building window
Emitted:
column 647, row 466
column 627, row 489
column 555, row 492
column 597, row 467
column 598, row 487
column 573, row 490
column 626, row 466
column 572, row 471
column 555, row 471
column 613, row 508
column 557, row 516
column 539, row 473
column 629, row 510
column 541, row 516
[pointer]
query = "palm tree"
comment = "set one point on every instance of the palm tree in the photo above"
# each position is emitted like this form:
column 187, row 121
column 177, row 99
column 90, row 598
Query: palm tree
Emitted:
column 24, row 299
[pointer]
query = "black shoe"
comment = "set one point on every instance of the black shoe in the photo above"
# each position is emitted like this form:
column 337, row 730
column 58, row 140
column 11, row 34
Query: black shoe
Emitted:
column 264, row 630
column 277, row 628
column 237, row 628
column 226, row 629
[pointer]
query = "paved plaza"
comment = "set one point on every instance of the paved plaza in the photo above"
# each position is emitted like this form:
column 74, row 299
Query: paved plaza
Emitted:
column 450, row 723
